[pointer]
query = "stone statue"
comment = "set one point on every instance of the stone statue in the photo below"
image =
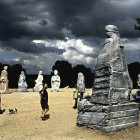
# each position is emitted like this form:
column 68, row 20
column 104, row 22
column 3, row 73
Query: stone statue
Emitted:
column 107, row 107
column 22, row 85
column 55, row 82
column 4, row 81
column 81, row 84
column 138, row 82
column 38, row 82
column 111, row 73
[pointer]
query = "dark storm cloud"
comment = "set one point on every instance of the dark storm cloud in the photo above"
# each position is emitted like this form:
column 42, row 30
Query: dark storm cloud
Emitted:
column 22, row 21
column 46, row 18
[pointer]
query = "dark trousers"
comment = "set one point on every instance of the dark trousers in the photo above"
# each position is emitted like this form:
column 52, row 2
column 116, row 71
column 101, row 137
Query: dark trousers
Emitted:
column 76, row 101
column 81, row 95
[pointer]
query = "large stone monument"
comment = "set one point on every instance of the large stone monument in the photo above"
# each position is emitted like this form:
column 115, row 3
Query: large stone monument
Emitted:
column 55, row 82
column 22, row 85
column 81, row 84
column 4, row 81
column 108, row 107
column 38, row 82
column 138, row 81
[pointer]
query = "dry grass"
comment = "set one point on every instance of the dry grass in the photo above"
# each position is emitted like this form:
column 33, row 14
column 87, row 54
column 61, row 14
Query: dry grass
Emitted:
column 61, row 125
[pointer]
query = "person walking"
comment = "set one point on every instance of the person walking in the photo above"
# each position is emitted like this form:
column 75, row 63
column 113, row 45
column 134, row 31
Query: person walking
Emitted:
column 44, row 101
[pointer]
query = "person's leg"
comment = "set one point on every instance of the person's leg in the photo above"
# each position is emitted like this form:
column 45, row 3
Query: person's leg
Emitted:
column 76, row 99
column 81, row 96
column 0, row 102
column 75, row 106
column 42, row 115
column 45, row 112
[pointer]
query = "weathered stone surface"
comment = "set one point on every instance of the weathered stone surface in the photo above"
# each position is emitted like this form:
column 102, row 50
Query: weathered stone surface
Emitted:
column 4, row 81
column 124, row 107
column 118, row 127
column 120, row 114
column 123, row 120
column 55, row 82
column 111, row 71
column 116, row 117
column 109, row 107
column 87, row 96
column 22, row 85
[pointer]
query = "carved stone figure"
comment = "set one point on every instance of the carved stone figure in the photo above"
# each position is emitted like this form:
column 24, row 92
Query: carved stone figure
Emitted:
column 138, row 82
column 22, row 85
column 112, row 80
column 38, row 82
column 81, row 84
column 55, row 82
column 107, row 107
column 4, row 81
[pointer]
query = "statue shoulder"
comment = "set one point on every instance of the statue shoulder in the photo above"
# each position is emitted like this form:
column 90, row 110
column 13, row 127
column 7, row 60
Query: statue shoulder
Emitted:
column 108, row 40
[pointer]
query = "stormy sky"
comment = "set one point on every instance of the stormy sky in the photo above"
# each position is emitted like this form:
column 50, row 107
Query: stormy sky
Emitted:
column 36, row 33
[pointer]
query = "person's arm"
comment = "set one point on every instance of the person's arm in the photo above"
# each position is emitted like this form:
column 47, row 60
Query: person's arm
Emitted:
column 73, row 95
column 41, row 92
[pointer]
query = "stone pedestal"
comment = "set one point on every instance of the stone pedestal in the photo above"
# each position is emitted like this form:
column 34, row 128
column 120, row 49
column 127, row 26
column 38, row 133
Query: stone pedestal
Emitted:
column 108, row 118
column 22, row 89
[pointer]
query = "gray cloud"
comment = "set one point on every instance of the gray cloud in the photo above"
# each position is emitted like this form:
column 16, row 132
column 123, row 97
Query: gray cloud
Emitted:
column 21, row 22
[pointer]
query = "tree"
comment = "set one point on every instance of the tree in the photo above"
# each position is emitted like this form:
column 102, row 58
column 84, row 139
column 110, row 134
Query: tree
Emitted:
column 134, row 70
column 13, row 74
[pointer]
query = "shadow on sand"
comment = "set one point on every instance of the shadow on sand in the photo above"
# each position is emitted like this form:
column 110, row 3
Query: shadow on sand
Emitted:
column 46, row 117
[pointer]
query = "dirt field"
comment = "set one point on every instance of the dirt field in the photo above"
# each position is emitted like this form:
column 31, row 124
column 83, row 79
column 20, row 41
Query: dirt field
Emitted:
column 61, row 124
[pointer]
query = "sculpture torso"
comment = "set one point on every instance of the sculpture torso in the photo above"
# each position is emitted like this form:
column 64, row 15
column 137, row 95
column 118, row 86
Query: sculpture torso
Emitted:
column 112, row 83
column 81, row 82
column 4, row 81
column 39, row 82
column 4, row 75
column 55, row 82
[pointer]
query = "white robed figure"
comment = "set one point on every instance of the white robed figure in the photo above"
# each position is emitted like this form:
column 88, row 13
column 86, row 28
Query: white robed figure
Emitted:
column 38, row 82
column 4, row 81
column 55, row 82
column 81, row 84
column 22, row 85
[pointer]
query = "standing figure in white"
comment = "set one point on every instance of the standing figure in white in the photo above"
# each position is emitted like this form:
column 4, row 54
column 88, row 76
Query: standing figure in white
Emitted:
column 38, row 82
column 81, row 84
column 55, row 82
column 4, row 81
column 22, row 85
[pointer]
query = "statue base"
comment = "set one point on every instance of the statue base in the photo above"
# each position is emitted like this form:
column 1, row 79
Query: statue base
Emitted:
column 108, row 118
column 36, row 89
column 22, row 90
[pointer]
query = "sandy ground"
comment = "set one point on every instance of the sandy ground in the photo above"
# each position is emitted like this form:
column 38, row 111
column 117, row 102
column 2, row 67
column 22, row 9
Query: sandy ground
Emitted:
column 61, row 124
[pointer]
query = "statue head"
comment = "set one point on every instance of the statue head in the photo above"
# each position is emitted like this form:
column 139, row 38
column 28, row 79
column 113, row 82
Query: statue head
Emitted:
column 40, row 73
column 111, row 31
column 5, row 67
column 22, row 72
column 55, row 72
column 80, row 75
